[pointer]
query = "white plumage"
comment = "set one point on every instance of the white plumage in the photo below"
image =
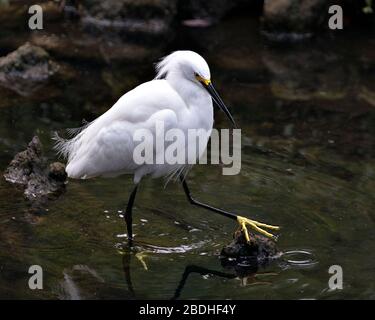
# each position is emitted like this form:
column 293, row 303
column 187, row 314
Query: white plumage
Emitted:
column 176, row 97
column 181, row 98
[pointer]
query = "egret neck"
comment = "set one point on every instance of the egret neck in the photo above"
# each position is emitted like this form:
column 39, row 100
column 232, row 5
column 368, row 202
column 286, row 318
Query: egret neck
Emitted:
column 199, row 106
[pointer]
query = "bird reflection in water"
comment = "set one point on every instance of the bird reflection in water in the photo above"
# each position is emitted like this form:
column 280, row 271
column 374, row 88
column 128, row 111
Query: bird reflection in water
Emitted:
column 244, row 270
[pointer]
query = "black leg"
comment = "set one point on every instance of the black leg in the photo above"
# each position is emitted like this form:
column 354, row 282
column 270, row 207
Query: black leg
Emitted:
column 201, row 270
column 203, row 205
column 128, row 215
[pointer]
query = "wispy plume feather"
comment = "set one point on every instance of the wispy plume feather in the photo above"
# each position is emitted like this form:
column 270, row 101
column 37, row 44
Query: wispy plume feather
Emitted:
column 166, row 64
column 65, row 147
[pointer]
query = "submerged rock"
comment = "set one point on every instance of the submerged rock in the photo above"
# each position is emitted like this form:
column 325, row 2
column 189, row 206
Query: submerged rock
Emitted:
column 26, row 69
column 257, row 252
column 301, row 75
column 30, row 170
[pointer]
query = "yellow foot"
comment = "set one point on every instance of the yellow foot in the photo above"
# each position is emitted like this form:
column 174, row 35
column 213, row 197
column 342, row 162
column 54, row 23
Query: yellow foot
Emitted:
column 140, row 256
column 257, row 226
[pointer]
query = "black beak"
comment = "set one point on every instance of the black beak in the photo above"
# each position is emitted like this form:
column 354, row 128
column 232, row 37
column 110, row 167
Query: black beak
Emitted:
column 219, row 102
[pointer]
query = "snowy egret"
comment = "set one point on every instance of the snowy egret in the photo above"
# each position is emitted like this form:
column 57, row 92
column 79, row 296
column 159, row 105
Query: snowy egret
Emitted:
column 181, row 96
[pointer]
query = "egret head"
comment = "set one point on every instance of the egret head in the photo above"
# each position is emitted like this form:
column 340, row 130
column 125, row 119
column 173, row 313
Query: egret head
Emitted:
column 191, row 66
column 186, row 64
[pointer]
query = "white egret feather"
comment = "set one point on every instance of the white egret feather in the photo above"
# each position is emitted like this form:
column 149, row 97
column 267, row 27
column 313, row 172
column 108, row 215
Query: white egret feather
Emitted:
column 181, row 96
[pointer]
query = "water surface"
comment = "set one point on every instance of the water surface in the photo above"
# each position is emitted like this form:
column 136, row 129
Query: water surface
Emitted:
column 307, row 115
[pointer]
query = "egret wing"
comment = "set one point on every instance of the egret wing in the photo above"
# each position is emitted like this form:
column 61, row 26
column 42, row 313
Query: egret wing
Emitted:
column 106, row 146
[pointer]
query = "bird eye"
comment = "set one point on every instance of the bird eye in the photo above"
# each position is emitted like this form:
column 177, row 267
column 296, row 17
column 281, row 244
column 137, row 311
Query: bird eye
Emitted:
column 196, row 74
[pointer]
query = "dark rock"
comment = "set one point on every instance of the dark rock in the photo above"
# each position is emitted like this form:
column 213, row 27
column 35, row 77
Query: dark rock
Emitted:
column 57, row 171
column 12, row 15
column 293, row 20
column 258, row 251
column 109, row 31
column 146, row 19
column 26, row 69
column 30, row 171
column 204, row 13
